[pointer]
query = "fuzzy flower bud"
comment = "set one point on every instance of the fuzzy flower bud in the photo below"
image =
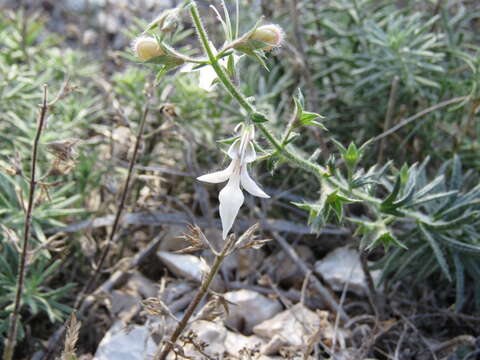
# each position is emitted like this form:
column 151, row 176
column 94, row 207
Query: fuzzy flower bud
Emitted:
column 271, row 34
column 147, row 48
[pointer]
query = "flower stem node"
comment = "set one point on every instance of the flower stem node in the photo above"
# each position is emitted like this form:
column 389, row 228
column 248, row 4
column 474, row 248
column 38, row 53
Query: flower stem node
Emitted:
column 270, row 36
column 231, row 196
column 146, row 48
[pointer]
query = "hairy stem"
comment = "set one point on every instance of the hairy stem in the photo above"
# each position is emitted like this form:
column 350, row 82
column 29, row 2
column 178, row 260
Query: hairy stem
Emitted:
column 231, row 88
column 22, row 267
column 167, row 347
column 318, row 171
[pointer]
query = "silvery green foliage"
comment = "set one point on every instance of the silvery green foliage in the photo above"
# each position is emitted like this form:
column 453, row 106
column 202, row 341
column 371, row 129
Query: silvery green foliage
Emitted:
column 20, row 89
column 357, row 49
column 444, row 234
column 429, row 225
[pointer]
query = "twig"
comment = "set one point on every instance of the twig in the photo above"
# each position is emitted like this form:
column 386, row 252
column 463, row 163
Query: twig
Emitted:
column 399, row 343
column 24, row 32
column 324, row 293
column 12, row 331
column 305, row 286
column 372, row 294
column 388, row 117
column 418, row 115
column 121, row 205
column 312, row 95
column 116, row 278
column 292, row 295
column 158, row 218
column 419, row 334
column 342, row 301
column 163, row 351
column 79, row 304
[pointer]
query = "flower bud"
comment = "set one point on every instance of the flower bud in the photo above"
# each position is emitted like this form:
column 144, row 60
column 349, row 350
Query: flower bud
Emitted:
column 146, row 48
column 272, row 35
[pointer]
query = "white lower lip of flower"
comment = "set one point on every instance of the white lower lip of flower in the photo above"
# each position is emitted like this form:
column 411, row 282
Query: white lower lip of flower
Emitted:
column 250, row 185
column 231, row 199
column 219, row 176
column 231, row 196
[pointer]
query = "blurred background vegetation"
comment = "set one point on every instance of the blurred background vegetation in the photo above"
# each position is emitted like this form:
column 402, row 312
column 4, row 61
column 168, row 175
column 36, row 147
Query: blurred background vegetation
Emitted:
column 366, row 65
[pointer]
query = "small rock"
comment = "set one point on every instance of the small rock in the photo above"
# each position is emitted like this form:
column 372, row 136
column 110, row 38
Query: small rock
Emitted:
column 122, row 302
column 250, row 309
column 188, row 266
column 172, row 240
column 220, row 341
column 294, row 327
column 342, row 266
column 89, row 37
column 286, row 271
column 235, row 342
column 211, row 333
column 126, row 343
column 142, row 285
column 274, row 345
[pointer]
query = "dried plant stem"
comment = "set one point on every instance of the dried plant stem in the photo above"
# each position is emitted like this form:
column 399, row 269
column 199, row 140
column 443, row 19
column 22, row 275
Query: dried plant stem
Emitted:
column 315, row 169
column 118, row 214
column 120, row 276
column 162, row 353
column 116, row 222
column 14, row 318
column 374, row 298
column 388, row 117
column 419, row 115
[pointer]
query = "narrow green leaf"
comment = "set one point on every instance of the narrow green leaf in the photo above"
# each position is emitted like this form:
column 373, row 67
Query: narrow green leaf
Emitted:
column 437, row 251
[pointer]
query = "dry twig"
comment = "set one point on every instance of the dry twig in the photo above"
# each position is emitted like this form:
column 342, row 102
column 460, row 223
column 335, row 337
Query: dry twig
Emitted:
column 14, row 318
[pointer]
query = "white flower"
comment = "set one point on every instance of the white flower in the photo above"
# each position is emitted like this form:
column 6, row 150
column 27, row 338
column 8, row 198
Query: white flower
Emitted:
column 231, row 197
column 206, row 74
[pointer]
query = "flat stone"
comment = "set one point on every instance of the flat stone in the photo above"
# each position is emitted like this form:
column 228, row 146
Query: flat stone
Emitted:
column 293, row 328
column 220, row 341
column 342, row 266
column 126, row 343
column 250, row 308
column 143, row 286
column 183, row 265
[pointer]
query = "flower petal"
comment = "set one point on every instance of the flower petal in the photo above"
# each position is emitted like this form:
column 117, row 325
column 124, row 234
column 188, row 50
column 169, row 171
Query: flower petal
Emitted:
column 206, row 78
column 231, row 199
column 234, row 149
column 218, row 176
column 188, row 67
column 250, row 185
column 250, row 154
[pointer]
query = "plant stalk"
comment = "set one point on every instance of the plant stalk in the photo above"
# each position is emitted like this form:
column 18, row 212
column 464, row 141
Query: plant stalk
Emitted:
column 318, row 171
column 120, row 208
column 22, row 267
column 162, row 353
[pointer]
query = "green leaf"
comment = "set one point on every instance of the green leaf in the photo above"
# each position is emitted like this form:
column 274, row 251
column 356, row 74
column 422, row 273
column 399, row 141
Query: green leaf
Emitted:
column 387, row 205
column 352, row 156
column 339, row 145
column 300, row 99
column 309, row 118
column 459, row 282
column 387, row 239
column 459, row 245
column 437, row 251
column 259, row 118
